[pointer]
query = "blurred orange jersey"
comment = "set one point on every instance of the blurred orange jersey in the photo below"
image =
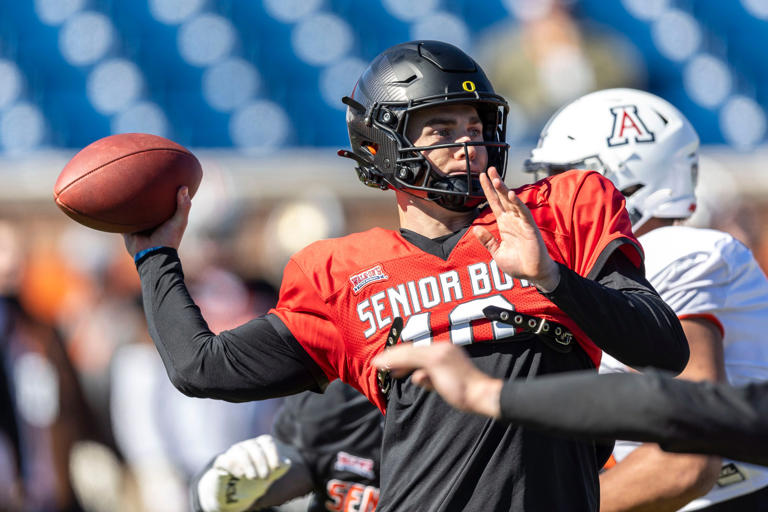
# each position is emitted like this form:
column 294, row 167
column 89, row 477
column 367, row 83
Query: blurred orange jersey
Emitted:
column 339, row 296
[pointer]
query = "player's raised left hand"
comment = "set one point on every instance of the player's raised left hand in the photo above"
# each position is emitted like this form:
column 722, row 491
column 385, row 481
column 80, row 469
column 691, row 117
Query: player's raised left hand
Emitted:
column 521, row 252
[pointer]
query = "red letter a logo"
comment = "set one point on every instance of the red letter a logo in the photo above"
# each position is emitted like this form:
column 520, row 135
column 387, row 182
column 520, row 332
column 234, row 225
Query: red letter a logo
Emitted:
column 628, row 125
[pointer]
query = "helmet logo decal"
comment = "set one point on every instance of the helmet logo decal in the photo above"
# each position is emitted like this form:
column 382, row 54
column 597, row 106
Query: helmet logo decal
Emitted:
column 468, row 86
column 627, row 124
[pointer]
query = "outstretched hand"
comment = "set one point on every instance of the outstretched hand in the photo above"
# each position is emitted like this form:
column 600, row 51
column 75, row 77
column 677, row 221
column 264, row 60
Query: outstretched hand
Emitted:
column 521, row 252
column 446, row 369
column 167, row 234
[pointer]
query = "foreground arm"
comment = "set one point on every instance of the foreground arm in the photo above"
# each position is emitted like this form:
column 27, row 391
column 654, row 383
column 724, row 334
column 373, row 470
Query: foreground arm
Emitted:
column 682, row 416
column 634, row 483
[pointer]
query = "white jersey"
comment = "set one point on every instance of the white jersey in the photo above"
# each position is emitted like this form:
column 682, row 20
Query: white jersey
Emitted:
column 707, row 273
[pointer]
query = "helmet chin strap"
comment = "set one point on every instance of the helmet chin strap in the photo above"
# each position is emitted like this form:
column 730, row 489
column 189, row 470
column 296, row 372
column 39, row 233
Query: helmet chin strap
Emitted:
column 456, row 202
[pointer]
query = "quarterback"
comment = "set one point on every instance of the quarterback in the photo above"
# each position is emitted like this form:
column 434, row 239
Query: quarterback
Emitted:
column 536, row 282
column 649, row 150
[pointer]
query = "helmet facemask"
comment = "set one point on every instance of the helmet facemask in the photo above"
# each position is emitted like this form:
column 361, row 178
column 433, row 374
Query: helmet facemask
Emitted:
column 454, row 192
column 542, row 170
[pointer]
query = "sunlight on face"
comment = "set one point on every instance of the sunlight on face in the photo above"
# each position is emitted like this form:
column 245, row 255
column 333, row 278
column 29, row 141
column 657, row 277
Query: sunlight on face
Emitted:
column 449, row 124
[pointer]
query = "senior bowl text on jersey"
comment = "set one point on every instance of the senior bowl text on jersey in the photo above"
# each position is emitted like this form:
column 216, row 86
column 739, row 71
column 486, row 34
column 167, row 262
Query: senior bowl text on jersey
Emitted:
column 415, row 299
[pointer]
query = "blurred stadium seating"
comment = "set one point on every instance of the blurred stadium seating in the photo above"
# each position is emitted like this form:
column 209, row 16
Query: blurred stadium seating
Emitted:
column 260, row 75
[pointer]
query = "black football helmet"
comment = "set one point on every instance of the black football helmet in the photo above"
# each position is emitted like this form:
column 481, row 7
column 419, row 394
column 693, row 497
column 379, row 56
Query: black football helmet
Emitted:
column 406, row 78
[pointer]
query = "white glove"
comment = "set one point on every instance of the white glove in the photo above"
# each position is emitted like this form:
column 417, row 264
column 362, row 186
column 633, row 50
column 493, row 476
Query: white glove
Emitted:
column 241, row 475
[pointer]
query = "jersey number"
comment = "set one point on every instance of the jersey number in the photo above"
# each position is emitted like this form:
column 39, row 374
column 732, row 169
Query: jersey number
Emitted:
column 418, row 328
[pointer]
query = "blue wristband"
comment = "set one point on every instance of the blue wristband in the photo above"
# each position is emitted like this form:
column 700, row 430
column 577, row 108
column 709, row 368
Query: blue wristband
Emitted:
column 144, row 252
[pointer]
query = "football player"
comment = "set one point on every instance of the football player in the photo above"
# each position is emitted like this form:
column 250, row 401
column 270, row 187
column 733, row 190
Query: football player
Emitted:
column 328, row 444
column 649, row 150
column 536, row 282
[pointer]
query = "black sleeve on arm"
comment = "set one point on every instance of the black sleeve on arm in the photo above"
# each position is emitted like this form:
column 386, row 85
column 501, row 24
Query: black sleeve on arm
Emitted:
column 255, row 361
column 623, row 314
column 682, row 416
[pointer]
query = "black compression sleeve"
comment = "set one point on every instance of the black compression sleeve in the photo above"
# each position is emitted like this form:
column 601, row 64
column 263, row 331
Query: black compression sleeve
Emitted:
column 254, row 361
column 623, row 315
column 682, row 416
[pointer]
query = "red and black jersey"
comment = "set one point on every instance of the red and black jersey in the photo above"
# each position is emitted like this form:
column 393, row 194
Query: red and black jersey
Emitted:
column 339, row 297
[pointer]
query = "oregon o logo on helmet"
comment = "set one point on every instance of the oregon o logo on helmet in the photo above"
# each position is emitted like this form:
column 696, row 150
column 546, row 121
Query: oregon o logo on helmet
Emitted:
column 468, row 86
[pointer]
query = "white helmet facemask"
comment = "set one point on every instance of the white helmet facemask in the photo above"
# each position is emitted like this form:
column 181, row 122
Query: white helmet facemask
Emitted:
column 639, row 141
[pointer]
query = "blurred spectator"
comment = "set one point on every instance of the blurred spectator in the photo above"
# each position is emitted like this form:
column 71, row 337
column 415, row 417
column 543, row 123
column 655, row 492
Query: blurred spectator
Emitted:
column 723, row 203
column 165, row 436
column 544, row 58
column 44, row 410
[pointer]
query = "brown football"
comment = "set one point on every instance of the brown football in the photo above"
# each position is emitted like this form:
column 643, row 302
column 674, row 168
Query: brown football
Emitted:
column 126, row 183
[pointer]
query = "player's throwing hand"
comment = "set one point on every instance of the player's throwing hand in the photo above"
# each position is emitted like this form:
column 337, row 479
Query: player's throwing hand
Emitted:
column 167, row 234
column 521, row 253
column 241, row 475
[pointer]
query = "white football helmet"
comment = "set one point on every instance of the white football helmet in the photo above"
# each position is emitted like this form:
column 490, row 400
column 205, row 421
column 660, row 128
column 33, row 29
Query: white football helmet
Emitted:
column 639, row 141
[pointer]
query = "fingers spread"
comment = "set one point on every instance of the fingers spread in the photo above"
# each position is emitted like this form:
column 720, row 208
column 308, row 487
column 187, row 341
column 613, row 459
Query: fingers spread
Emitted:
column 486, row 238
column 491, row 195
column 514, row 202
column 498, row 184
column 520, row 208
column 493, row 173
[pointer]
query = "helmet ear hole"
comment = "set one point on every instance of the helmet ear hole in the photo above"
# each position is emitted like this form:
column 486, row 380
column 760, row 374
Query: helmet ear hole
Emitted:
column 412, row 172
column 406, row 174
column 370, row 147
column 388, row 117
